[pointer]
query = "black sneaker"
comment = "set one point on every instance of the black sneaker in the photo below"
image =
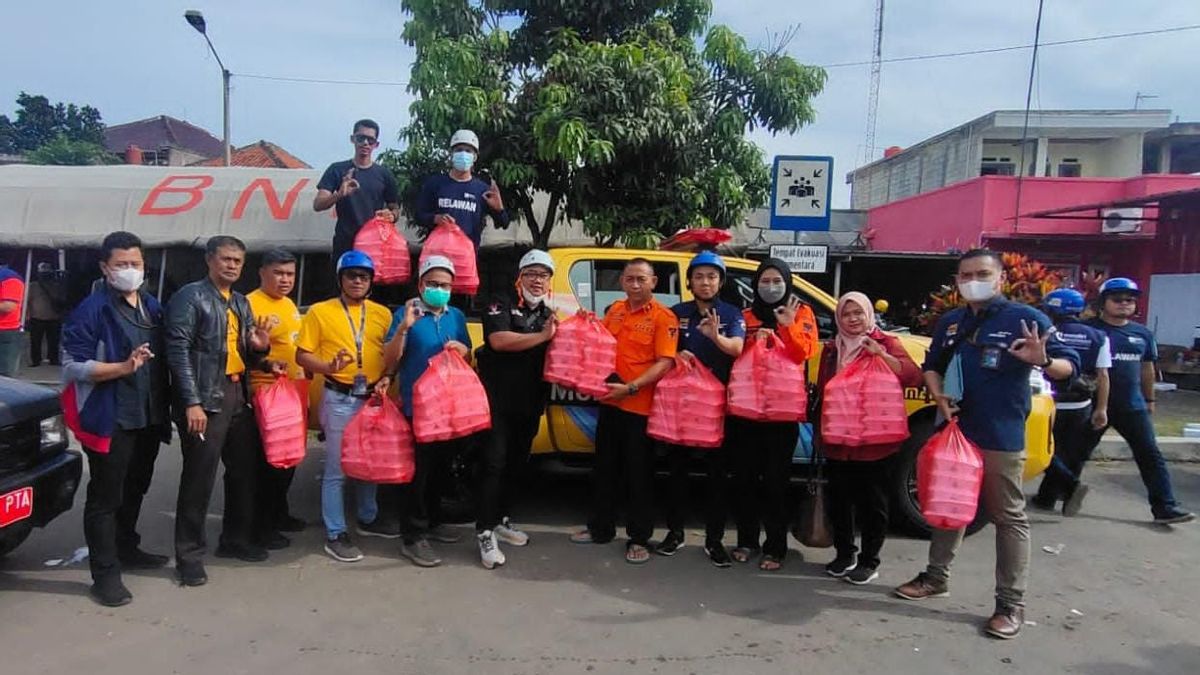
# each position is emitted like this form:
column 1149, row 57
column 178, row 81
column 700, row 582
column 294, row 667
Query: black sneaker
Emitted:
column 243, row 552
column 841, row 565
column 1041, row 503
column 386, row 529
column 341, row 549
column 670, row 543
column 137, row 559
column 110, row 592
column 291, row 523
column 274, row 541
column 1074, row 502
column 191, row 573
column 861, row 575
column 1173, row 515
column 717, row 555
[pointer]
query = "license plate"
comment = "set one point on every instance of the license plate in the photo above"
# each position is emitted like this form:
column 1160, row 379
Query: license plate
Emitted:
column 16, row 506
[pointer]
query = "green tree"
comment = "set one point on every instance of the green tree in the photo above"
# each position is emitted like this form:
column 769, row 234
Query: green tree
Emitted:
column 63, row 151
column 627, row 115
column 39, row 122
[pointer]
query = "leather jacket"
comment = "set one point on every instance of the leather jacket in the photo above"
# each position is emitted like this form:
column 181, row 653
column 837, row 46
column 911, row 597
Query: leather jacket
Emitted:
column 197, row 341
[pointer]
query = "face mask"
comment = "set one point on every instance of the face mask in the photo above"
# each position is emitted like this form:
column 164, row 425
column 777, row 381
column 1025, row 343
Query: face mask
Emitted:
column 531, row 299
column 462, row 160
column 436, row 297
column 772, row 293
column 977, row 291
column 127, row 279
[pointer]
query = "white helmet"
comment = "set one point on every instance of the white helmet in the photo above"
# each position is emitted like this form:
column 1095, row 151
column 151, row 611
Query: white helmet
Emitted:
column 465, row 137
column 536, row 257
column 436, row 262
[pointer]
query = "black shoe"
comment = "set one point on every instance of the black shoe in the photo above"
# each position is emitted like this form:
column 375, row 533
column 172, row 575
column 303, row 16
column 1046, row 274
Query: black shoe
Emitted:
column 35, row 365
column 191, row 574
column 1074, row 501
column 670, row 543
column 861, row 575
column 244, row 552
column 110, row 592
column 841, row 565
column 137, row 559
column 1042, row 503
column 274, row 541
column 718, row 555
column 387, row 529
column 291, row 524
column 1173, row 515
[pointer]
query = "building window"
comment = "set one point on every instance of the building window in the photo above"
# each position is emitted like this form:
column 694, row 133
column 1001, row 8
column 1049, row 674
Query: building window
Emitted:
column 997, row 169
column 1070, row 168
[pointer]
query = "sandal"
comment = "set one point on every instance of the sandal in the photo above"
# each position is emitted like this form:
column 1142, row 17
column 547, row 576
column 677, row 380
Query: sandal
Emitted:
column 770, row 563
column 636, row 554
column 743, row 554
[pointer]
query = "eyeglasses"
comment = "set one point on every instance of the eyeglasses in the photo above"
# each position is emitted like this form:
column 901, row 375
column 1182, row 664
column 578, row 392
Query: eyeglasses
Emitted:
column 536, row 276
column 363, row 139
column 435, row 284
column 357, row 276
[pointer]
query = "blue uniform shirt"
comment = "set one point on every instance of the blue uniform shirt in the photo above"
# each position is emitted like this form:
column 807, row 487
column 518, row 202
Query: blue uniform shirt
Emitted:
column 462, row 201
column 427, row 337
column 996, row 394
column 1092, row 346
column 1131, row 345
column 690, row 338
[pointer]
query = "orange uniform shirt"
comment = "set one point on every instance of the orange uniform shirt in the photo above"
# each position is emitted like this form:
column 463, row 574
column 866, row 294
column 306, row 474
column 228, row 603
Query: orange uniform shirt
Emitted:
column 800, row 338
column 643, row 336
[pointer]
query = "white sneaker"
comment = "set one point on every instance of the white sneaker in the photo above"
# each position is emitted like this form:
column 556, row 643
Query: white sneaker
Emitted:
column 509, row 534
column 489, row 550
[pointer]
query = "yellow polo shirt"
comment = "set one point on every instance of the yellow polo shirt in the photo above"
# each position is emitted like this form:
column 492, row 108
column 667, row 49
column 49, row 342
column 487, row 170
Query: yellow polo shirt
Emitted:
column 233, row 362
column 326, row 329
column 284, row 334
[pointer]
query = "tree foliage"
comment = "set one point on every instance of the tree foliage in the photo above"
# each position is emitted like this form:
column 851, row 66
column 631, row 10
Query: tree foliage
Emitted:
column 63, row 151
column 628, row 115
column 1025, row 280
column 39, row 122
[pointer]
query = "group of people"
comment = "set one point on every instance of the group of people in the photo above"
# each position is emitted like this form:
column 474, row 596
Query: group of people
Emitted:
column 135, row 368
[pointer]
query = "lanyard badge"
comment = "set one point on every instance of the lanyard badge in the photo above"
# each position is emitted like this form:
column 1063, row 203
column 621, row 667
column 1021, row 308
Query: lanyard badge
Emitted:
column 359, row 388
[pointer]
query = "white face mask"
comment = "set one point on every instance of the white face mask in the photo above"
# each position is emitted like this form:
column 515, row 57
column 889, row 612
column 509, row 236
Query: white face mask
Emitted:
column 977, row 291
column 127, row 279
column 531, row 299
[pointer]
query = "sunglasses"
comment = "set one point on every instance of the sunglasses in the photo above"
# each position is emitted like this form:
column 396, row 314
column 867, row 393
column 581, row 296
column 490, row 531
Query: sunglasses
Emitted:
column 357, row 276
column 363, row 139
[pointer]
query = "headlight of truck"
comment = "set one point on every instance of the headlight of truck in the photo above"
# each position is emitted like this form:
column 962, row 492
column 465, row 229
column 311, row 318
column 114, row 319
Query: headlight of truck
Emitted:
column 53, row 432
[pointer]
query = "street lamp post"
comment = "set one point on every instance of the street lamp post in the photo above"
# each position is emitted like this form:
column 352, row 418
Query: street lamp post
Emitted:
column 196, row 19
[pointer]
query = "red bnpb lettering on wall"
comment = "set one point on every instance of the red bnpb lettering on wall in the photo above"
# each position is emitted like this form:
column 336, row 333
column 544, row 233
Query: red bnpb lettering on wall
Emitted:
column 179, row 193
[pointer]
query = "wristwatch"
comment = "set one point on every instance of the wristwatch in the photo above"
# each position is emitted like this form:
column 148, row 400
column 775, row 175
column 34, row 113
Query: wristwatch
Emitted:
column 633, row 388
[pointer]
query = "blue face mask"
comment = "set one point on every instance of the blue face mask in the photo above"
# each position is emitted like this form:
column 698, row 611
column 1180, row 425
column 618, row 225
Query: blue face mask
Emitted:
column 462, row 160
column 436, row 297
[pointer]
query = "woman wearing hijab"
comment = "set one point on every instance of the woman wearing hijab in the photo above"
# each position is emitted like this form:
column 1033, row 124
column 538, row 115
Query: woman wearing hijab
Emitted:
column 859, row 476
column 764, row 449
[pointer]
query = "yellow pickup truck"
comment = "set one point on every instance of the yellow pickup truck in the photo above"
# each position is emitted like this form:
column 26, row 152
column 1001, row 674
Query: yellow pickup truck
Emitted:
column 589, row 278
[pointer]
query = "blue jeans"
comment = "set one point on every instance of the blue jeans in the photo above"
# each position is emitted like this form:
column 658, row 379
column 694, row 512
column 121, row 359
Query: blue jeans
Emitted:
column 336, row 411
column 1136, row 427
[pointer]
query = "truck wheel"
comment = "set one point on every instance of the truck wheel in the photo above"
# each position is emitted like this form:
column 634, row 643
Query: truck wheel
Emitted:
column 12, row 537
column 906, row 510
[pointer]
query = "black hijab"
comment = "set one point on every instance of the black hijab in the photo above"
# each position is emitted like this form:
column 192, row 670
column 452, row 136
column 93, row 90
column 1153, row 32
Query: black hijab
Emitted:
column 761, row 308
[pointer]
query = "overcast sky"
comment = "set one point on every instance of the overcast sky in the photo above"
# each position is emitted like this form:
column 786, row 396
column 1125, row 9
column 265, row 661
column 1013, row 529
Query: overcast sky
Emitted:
column 138, row 58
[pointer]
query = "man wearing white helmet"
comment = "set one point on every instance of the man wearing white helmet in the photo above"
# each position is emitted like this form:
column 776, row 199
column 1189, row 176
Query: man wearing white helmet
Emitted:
column 461, row 197
column 420, row 330
column 516, row 330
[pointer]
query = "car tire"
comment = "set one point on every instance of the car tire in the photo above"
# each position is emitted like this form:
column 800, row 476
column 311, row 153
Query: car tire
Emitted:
column 906, row 510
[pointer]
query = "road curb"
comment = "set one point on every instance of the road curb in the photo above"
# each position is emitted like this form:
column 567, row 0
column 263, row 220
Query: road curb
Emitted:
column 1174, row 449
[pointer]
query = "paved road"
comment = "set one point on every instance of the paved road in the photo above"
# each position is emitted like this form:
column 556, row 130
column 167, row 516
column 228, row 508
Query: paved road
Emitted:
column 1121, row 597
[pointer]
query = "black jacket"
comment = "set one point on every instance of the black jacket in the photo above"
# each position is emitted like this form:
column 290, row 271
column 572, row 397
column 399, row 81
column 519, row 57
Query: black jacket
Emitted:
column 197, row 343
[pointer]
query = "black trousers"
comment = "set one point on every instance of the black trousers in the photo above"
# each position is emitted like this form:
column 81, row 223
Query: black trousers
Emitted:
column 119, row 481
column 226, row 441
column 858, row 496
column 762, row 469
column 420, row 502
column 270, row 493
column 504, row 456
column 623, row 451
column 1072, row 431
column 44, row 330
column 716, row 495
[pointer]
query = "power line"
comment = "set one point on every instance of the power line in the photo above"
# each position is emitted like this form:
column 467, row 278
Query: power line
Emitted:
column 314, row 80
column 994, row 50
column 1037, row 35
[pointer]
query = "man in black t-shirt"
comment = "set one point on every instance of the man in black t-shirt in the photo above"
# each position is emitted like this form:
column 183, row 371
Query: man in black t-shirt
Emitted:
column 358, row 189
column 516, row 332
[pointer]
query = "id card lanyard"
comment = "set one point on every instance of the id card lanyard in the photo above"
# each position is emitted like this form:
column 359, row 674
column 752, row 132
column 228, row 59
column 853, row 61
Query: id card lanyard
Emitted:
column 357, row 334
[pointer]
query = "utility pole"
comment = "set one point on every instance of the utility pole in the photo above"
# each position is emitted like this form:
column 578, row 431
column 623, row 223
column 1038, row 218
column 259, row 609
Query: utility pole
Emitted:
column 873, row 91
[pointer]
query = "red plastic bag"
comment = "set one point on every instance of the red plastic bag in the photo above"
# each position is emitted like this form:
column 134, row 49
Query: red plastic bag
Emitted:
column 688, row 407
column 282, row 422
column 449, row 400
column 766, row 385
column 388, row 250
column 949, row 475
column 864, row 405
column 449, row 240
column 582, row 355
column 377, row 445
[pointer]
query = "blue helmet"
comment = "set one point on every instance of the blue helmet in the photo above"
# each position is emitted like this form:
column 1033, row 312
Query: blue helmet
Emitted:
column 707, row 258
column 1064, row 301
column 1120, row 285
column 355, row 260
